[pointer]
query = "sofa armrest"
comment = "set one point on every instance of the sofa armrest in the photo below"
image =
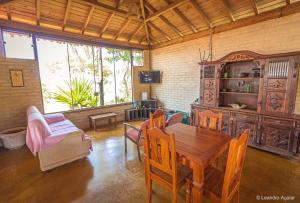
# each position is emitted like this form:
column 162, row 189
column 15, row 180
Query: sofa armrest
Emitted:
column 54, row 117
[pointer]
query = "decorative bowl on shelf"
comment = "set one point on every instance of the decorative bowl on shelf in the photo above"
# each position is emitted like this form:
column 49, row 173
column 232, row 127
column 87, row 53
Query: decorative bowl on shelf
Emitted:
column 231, row 90
column 243, row 75
column 238, row 106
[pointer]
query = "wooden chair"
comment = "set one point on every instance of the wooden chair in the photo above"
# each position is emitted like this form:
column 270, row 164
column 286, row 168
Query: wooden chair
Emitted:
column 157, row 119
column 220, row 186
column 135, row 135
column 160, row 162
column 158, row 112
column 208, row 119
column 175, row 118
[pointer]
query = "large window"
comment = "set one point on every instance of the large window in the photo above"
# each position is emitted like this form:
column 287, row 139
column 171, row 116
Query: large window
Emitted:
column 55, row 75
column 137, row 57
column 18, row 45
column 76, row 76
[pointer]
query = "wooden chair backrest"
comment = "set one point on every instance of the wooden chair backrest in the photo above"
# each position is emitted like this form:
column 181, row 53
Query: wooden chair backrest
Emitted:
column 235, row 163
column 208, row 119
column 157, row 120
column 160, row 151
column 158, row 112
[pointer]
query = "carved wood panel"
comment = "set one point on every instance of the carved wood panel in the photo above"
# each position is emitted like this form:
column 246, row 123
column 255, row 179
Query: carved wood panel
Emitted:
column 238, row 57
column 275, row 102
column 225, row 124
column 277, row 84
column 276, row 137
column 209, row 84
column 209, row 97
column 243, row 122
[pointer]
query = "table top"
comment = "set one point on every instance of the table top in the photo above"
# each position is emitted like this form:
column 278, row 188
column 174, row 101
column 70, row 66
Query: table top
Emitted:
column 198, row 144
column 103, row 115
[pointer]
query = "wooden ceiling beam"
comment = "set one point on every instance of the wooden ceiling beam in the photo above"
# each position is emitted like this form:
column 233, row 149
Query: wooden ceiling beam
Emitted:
column 139, row 27
column 254, row 6
column 38, row 11
column 5, row 2
column 202, row 14
column 67, row 36
column 228, row 10
column 171, row 6
column 8, row 13
column 66, row 13
column 164, row 19
column 145, row 23
column 88, row 18
column 117, row 3
column 185, row 20
column 123, row 26
column 142, row 39
column 106, row 8
column 159, row 30
column 183, row 17
column 103, row 29
column 268, row 15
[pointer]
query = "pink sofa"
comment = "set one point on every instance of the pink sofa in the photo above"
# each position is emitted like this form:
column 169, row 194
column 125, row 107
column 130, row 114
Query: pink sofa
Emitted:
column 55, row 139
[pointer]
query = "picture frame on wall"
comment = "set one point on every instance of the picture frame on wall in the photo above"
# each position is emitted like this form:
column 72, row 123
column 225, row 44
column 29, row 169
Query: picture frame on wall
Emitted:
column 16, row 78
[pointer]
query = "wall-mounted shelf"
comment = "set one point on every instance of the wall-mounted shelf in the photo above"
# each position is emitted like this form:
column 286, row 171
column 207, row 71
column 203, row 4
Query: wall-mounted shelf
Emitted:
column 250, row 78
column 245, row 93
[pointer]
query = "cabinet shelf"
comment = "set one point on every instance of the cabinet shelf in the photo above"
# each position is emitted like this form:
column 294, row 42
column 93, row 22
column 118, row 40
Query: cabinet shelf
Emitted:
column 249, row 78
column 244, row 93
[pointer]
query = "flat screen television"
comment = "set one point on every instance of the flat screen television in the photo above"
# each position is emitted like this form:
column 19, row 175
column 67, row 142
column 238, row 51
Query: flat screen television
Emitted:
column 149, row 76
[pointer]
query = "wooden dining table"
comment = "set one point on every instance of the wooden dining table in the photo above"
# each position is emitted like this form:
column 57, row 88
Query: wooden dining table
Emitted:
column 200, row 147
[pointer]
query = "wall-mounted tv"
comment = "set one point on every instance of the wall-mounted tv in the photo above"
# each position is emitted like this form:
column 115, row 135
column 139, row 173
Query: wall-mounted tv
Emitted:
column 149, row 76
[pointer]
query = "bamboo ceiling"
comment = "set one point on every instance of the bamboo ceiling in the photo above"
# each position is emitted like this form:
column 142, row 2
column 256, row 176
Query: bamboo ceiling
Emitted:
column 159, row 23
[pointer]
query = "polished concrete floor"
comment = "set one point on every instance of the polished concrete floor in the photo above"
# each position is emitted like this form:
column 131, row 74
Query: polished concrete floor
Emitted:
column 108, row 176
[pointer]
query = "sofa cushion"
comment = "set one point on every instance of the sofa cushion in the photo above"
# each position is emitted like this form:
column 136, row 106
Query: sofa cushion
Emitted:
column 63, row 127
column 54, row 117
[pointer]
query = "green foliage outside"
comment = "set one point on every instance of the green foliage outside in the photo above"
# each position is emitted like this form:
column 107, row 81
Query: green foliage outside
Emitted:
column 85, row 68
column 80, row 96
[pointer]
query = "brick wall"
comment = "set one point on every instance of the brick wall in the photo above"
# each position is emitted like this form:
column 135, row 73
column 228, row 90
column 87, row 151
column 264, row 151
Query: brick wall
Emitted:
column 15, row 100
column 178, row 63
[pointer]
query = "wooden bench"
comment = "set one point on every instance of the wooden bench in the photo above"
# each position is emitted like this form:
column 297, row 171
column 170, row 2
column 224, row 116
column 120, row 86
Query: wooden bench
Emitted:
column 93, row 119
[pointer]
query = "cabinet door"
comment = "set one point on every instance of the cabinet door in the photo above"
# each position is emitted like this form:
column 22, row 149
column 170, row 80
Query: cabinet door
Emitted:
column 208, row 85
column 226, row 121
column 276, row 138
column 279, row 85
column 243, row 122
column 209, row 97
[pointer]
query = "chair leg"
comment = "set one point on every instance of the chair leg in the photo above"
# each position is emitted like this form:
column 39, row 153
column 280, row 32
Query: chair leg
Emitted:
column 149, row 190
column 125, row 139
column 139, row 153
column 188, row 192
column 237, row 196
column 174, row 196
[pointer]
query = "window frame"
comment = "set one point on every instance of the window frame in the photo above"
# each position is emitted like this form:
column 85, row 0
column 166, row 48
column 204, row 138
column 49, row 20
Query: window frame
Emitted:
column 20, row 32
column 34, row 36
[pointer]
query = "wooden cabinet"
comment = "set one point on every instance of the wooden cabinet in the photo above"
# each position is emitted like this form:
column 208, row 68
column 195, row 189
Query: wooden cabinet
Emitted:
column 276, row 139
column 243, row 122
column 267, row 85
